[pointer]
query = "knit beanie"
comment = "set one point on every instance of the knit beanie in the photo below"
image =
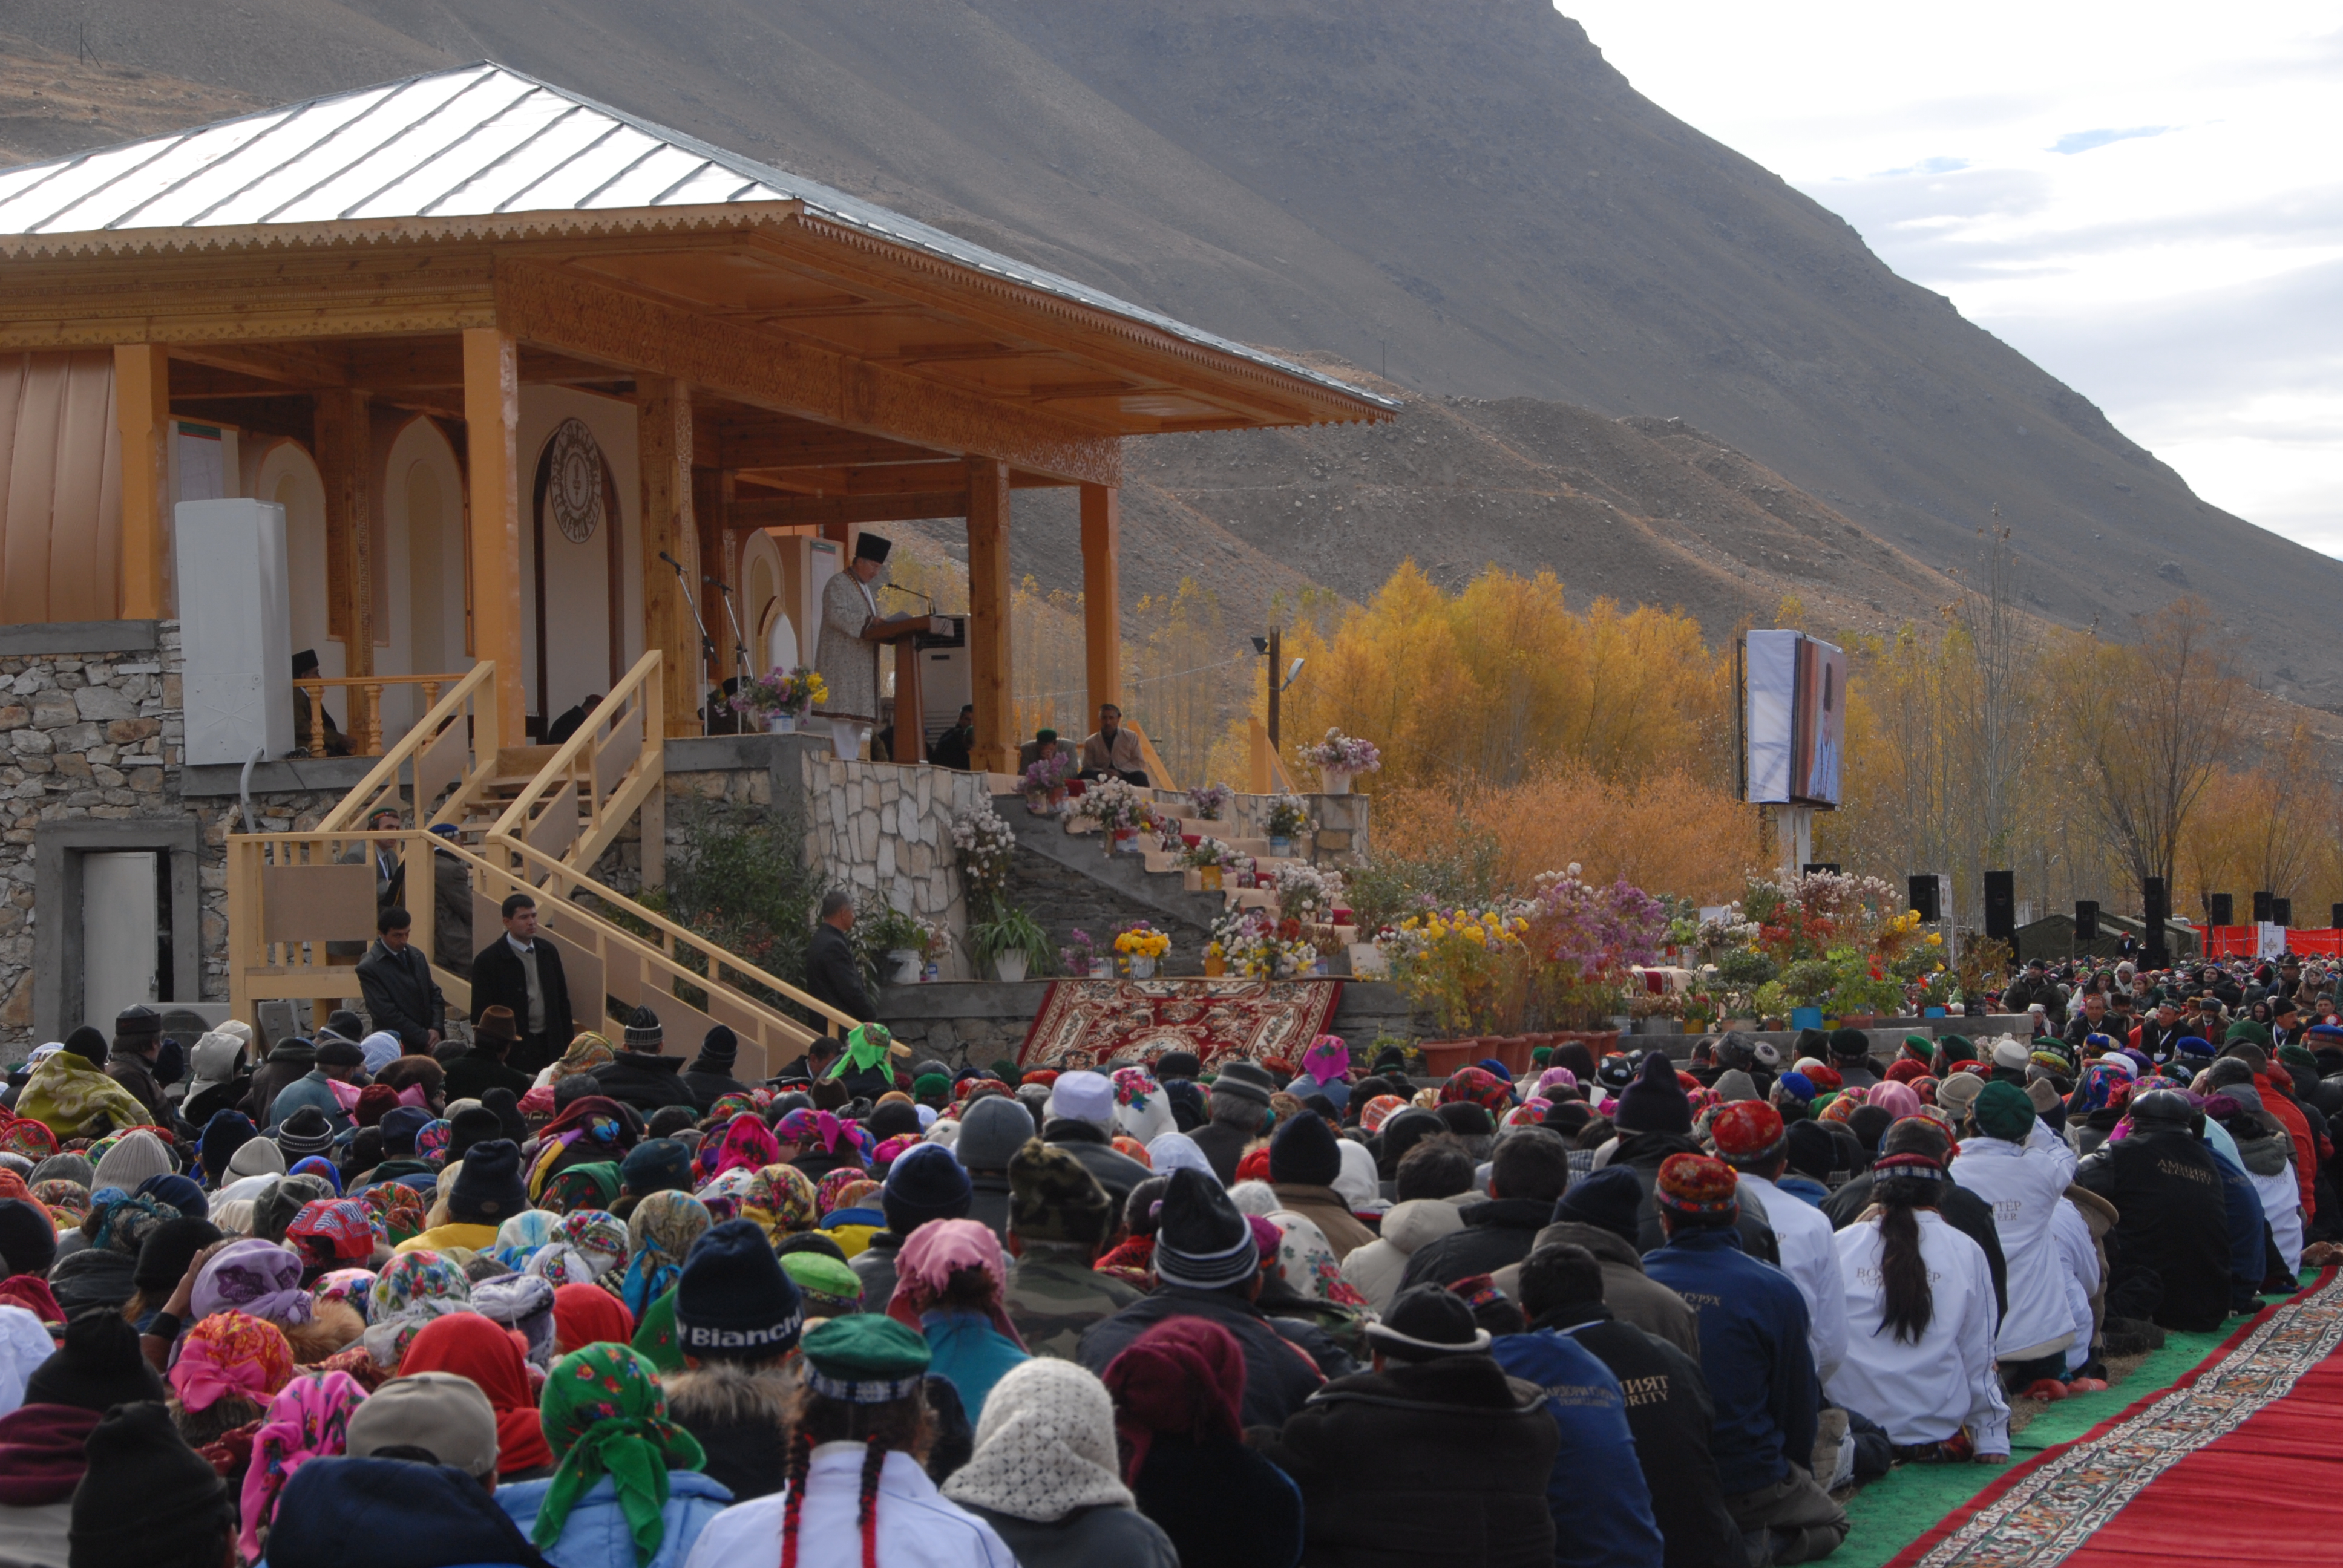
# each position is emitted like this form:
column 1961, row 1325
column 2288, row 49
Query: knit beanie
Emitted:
column 136, row 1156
column 505, row 1105
column 473, row 1125
column 488, row 1189
column 1656, row 1101
column 655, row 1165
column 399, row 1128
column 734, row 1301
column 1813, row 1151
column 1611, row 1199
column 28, row 1238
column 340, row 1053
column 926, row 1183
column 1053, row 1197
column 304, row 1133
column 283, row 1198
column 644, row 1031
column 1246, row 1081
column 88, row 1044
column 895, row 1119
column 97, row 1366
column 169, row 1248
column 1303, row 1152
column 181, row 1193
column 143, row 1484
column 1748, row 1133
column 1201, row 1241
column 2003, row 1112
column 991, row 1130
column 720, row 1047
column 1733, row 1085
column 224, row 1134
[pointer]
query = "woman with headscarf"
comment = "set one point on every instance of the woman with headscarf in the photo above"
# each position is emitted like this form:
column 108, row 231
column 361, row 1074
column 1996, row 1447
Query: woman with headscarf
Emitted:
column 308, row 1419
column 1142, row 1109
column 471, row 1346
column 231, row 1366
column 950, row 1277
column 826, row 1142
column 587, row 1052
column 253, row 1276
column 627, row 1491
column 662, row 1231
column 1305, row 1282
column 589, row 1247
column 1045, row 1474
column 1177, row 1391
column 1325, row 1069
column 591, row 1130
column 331, row 1234
column 746, row 1143
column 587, row 1315
column 592, row 1185
column 519, row 1238
column 781, row 1199
column 413, row 1289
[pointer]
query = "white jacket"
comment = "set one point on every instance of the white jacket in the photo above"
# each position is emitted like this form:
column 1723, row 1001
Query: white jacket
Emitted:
column 916, row 1524
column 1922, row 1392
column 2079, row 1255
column 1374, row 1270
column 2026, row 1183
column 1809, row 1250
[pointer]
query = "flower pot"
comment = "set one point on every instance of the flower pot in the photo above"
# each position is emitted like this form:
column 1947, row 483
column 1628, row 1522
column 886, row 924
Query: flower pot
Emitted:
column 1806, row 1017
column 780, row 724
column 1215, row 966
column 1141, row 967
column 1280, row 847
column 1600, row 1041
column 1334, row 780
column 1210, row 877
column 1443, row 1057
column 906, row 965
column 1189, row 841
column 1512, row 1049
column 1010, row 966
column 1126, row 843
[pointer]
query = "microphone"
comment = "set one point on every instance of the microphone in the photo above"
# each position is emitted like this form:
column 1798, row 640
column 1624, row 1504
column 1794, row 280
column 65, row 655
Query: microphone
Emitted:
column 670, row 560
column 915, row 593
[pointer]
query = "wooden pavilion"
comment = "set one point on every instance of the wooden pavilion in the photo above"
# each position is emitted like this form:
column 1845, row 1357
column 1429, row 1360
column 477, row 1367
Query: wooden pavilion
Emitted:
column 378, row 287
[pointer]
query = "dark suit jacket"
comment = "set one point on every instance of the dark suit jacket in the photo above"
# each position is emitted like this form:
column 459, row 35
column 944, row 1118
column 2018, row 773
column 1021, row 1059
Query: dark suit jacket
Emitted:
column 498, row 980
column 831, row 974
column 400, row 995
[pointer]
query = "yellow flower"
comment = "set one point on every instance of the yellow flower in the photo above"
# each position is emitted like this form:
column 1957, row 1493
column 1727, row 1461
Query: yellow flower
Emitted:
column 1935, row 939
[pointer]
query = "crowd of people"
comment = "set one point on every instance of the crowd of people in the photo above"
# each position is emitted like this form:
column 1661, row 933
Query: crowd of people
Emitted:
column 360, row 1300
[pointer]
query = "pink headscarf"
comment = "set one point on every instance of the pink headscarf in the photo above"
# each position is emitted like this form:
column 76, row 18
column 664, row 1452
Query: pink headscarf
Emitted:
column 308, row 1419
column 1896, row 1099
column 1328, row 1058
column 747, row 1145
column 231, row 1355
column 926, row 1262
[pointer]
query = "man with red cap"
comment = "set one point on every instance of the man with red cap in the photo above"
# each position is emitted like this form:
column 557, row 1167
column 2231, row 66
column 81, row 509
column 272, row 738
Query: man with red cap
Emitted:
column 1749, row 1135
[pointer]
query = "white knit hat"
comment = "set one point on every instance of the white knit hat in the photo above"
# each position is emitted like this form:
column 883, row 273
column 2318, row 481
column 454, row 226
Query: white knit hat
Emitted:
column 139, row 1156
column 1044, row 1447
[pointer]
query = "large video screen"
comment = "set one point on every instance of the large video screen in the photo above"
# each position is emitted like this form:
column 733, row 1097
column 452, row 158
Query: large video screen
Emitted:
column 1795, row 726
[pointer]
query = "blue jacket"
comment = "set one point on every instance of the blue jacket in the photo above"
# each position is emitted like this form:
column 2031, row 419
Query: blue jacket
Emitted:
column 966, row 1348
column 1601, row 1505
column 594, row 1535
column 2243, row 1203
column 1806, row 1187
column 1752, row 1352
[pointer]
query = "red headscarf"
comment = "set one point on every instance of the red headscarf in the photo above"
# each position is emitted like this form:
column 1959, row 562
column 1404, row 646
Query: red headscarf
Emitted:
column 1184, row 1377
column 469, row 1345
column 589, row 1314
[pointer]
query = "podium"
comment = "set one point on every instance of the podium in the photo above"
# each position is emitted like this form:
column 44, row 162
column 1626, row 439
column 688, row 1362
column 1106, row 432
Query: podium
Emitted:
column 904, row 631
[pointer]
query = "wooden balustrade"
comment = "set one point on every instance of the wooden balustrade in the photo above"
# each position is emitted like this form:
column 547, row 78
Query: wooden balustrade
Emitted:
column 363, row 705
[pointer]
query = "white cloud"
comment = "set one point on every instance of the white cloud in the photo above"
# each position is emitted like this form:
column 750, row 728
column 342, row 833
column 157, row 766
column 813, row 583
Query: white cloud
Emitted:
column 2143, row 198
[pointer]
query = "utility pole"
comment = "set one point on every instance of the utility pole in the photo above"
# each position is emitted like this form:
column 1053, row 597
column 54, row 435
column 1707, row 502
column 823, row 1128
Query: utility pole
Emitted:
column 1276, row 667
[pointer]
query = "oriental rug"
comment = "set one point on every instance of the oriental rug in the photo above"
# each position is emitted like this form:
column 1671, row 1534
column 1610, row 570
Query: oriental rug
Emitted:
column 2182, row 1476
column 1117, row 1022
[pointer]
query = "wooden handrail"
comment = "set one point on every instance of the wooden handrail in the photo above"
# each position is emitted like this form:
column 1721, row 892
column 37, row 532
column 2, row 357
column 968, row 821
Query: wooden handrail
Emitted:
column 365, row 709
column 380, row 787
column 1159, row 777
column 1269, row 772
column 637, row 700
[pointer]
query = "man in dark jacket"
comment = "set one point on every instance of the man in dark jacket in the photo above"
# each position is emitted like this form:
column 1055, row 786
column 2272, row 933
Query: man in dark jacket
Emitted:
column 137, row 1034
column 1238, row 1111
column 709, row 1076
column 451, row 908
column 1562, row 1290
column 1527, row 1173
column 640, row 1076
column 831, row 973
column 1601, row 1214
column 992, row 1130
column 522, row 971
column 1209, row 1266
column 400, row 997
column 482, row 1067
column 2173, row 1223
column 1436, row 1456
column 292, row 1061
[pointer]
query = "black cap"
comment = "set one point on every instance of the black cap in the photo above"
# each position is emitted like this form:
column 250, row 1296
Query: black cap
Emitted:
column 1609, row 1200
column 97, row 1366
column 1425, row 1323
column 489, row 1188
column 88, row 1044
column 144, row 1486
column 1303, row 1152
column 733, row 1300
column 1656, row 1101
column 871, row 547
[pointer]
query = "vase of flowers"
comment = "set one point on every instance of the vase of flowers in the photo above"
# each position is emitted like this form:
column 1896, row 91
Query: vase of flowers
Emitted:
column 1341, row 758
column 1142, row 947
column 1289, row 819
column 1044, row 783
column 1118, row 810
column 1212, row 802
column 781, row 699
column 1079, row 958
column 1207, row 857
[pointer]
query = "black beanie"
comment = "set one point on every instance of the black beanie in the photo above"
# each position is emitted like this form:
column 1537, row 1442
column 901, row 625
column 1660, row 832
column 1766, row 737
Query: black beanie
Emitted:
column 719, row 1047
column 489, row 1189
column 892, row 1119
column 1610, row 1200
column 28, row 1238
column 169, row 1248
column 88, row 1043
column 1201, row 1241
column 474, row 1125
column 144, row 1485
column 1849, row 1045
column 304, row 1133
column 1656, row 1101
column 97, row 1367
column 733, row 1300
column 224, row 1134
column 1303, row 1152
column 504, row 1106
column 1812, row 1151
column 1404, row 1130
column 926, row 1182
column 1177, row 1064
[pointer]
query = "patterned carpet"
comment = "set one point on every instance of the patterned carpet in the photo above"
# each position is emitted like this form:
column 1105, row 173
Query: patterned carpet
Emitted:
column 1111, row 1023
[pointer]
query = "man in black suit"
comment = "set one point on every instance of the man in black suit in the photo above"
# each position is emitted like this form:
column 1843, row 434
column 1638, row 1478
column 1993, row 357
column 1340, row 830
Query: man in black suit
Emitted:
column 399, row 996
column 830, row 972
column 522, row 971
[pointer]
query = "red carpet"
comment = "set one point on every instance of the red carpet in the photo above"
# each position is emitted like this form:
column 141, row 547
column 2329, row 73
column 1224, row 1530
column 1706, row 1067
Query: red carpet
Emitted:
column 2240, row 1461
column 1117, row 1022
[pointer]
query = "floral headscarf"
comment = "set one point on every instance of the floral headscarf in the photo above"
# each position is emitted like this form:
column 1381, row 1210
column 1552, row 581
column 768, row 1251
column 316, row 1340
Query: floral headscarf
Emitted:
column 66, row 1201
column 254, row 1276
column 322, row 1169
column 412, row 1289
column 587, row 1052
column 726, row 1106
column 724, row 1195
column 123, row 1222
column 1378, row 1110
column 605, row 1414
column 1477, row 1086
column 588, row 1244
column 23, row 1135
column 1306, row 1262
column 582, row 1187
column 747, row 1145
column 1327, row 1059
column 1141, row 1109
column 784, row 1199
column 806, row 1127
column 349, row 1286
column 832, row 1194
column 308, row 1419
column 395, row 1210
column 662, row 1229
column 330, row 1231
column 519, row 1238
column 431, row 1140
column 231, row 1355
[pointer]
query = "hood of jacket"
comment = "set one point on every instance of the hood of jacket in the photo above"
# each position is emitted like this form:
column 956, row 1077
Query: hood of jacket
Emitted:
column 1420, row 1221
column 1460, row 1382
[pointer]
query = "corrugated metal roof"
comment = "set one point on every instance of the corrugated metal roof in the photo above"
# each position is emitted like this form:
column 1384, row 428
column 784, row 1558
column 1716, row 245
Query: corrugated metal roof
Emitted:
column 478, row 139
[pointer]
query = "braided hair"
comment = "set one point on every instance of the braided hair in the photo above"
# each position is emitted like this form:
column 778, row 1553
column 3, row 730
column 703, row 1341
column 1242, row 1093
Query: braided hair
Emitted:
column 800, row 1461
column 905, row 1425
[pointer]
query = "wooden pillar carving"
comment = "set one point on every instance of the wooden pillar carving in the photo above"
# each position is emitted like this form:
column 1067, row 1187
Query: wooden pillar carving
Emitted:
column 988, row 615
column 1102, row 591
column 343, row 454
column 492, row 421
column 663, row 416
column 142, row 412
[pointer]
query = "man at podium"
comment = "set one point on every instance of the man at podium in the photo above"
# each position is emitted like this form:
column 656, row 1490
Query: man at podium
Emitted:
column 848, row 657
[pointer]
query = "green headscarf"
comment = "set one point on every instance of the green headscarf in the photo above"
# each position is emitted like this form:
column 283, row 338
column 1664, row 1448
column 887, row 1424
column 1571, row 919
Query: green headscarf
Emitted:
column 868, row 1046
column 655, row 1336
column 589, row 1186
column 605, row 1414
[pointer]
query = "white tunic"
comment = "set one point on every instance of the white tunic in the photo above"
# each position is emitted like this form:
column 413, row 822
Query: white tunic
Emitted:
column 918, row 1527
column 2281, row 1197
column 2080, row 1254
column 1922, row 1392
column 2025, row 1183
column 1809, row 1249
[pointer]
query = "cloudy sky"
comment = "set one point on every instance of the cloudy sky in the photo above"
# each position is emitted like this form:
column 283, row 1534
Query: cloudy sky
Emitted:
column 2145, row 198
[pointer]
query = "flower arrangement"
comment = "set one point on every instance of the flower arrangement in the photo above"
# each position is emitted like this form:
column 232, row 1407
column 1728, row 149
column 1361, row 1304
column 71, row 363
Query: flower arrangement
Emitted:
column 1252, row 944
column 1142, row 940
column 1467, row 966
column 1211, row 801
column 1289, row 816
column 781, row 691
column 1840, row 944
column 1340, row 753
column 1584, row 938
column 986, row 844
column 1114, row 806
column 1079, row 957
column 1049, row 774
column 1207, row 851
column 1305, row 892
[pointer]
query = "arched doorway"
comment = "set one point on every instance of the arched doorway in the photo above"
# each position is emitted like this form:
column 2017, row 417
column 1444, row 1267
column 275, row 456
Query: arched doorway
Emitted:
column 288, row 476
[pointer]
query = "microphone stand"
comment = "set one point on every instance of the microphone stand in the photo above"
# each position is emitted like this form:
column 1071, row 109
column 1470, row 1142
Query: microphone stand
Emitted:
column 707, row 643
column 741, row 660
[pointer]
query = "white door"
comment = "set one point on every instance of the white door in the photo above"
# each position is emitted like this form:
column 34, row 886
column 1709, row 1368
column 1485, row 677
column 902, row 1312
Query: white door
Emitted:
column 119, row 921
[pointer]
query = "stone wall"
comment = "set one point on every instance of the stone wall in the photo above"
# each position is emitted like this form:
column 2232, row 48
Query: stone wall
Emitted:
column 883, row 828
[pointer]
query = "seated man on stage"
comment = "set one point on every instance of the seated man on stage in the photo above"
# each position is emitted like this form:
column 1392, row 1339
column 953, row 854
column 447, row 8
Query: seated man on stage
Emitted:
column 1045, row 741
column 1113, row 751
column 953, row 747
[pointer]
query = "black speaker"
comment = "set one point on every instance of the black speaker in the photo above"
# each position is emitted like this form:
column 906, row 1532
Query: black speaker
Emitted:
column 2261, row 909
column 2335, row 916
column 1920, row 893
column 2221, row 909
column 2086, row 919
column 2001, row 905
column 2156, row 909
column 1830, row 866
column 2281, row 911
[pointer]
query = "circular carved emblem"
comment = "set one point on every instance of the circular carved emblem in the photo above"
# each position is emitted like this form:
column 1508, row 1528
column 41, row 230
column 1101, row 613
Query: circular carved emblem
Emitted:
column 574, row 492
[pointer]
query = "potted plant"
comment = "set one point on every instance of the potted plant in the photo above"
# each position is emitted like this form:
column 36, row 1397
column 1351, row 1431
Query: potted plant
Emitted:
column 1079, row 958
column 1212, row 802
column 1143, row 947
column 1306, row 893
column 1207, row 858
column 1341, row 758
column 1011, row 940
column 1289, row 819
column 781, row 699
column 987, row 847
column 903, row 938
column 1045, row 782
column 1118, row 810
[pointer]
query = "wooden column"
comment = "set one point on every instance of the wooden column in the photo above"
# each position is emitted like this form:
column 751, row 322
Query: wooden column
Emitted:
column 344, row 453
column 492, row 421
column 911, row 726
column 988, row 615
column 663, row 446
column 142, row 411
column 1102, row 591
